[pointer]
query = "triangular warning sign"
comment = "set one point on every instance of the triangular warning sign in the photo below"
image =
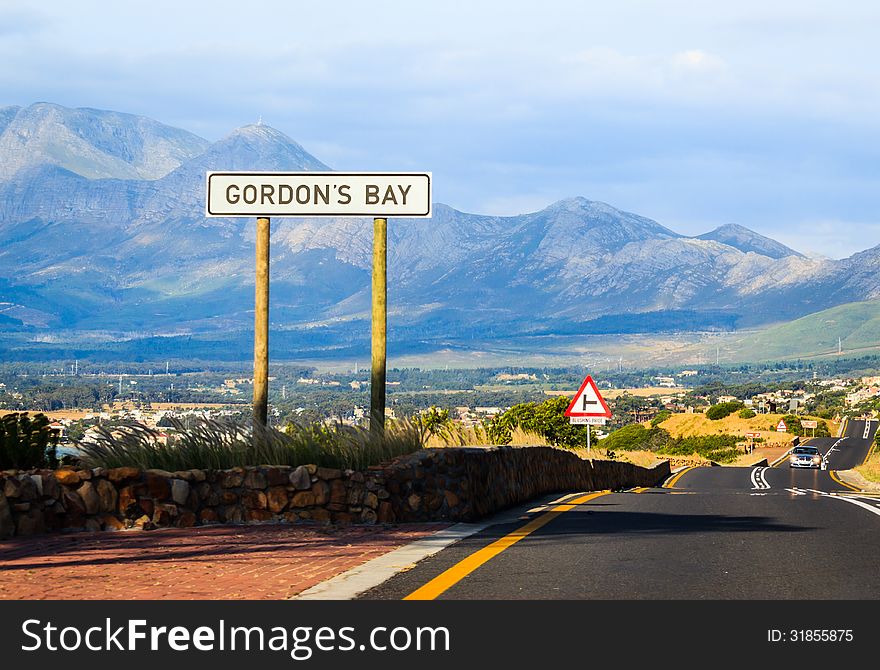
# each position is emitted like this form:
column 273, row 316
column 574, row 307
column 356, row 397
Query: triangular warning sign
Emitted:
column 588, row 401
column 781, row 427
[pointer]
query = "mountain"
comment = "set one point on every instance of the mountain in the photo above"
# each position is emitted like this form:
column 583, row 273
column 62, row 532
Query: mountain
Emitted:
column 104, row 235
column 93, row 143
column 740, row 237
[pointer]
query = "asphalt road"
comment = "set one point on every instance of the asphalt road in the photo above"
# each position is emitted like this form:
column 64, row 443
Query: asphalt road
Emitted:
column 718, row 533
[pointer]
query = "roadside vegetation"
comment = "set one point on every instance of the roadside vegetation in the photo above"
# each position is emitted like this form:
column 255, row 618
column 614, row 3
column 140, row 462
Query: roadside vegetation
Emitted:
column 723, row 409
column 222, row 444
column 870, row 469
column 26, row 442
column 718, row 448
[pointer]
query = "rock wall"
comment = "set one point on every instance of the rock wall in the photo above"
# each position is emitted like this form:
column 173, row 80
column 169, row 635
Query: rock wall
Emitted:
column 461, row 484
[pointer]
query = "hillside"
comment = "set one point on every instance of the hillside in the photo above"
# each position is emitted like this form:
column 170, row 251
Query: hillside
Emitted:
column 857, row 324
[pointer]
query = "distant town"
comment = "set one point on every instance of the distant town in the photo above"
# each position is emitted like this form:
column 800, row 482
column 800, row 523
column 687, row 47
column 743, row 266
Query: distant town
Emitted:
column 80, row 396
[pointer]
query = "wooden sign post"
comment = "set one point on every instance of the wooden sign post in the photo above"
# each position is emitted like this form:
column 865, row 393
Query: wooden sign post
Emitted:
column 377, row 194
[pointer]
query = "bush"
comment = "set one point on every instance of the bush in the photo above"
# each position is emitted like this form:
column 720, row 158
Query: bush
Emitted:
column 547, row 419
column 635, row 437
column 433, row 421
column 723, row 409
column 26, row 443
column 747, row 413
column 719, row 448
column 660, row 418
column 220, row 444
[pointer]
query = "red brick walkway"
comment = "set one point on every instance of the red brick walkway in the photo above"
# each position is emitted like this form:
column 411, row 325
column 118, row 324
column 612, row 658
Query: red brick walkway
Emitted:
column 219, row 562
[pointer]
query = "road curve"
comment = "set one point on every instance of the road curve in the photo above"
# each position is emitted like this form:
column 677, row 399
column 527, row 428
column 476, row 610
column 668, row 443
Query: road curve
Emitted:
column 720, row 533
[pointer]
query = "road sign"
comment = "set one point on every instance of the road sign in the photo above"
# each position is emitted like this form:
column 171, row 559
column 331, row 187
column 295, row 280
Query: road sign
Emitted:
column 265, row 194
column 806, row 423
column 588, row 407
column 781, row 427
column 753, row 435
column 588, row 402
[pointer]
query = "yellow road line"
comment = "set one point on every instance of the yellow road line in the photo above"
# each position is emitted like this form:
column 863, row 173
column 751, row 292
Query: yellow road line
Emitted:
column 640, row 489
column 672, row 482
column 466, row 566
column 833, row 474
column 870, row 451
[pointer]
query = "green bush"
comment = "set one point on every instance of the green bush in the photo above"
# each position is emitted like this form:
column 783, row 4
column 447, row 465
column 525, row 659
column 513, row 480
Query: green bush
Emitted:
column 660, row 418
column 747, row 413
column 634, row 437
column 547, row 419
column 433, row 421
column 26, row 443
column 723, row 409
column 221, row 444
column 718, row 448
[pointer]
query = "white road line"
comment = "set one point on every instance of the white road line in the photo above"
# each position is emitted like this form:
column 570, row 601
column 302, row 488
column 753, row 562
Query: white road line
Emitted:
column 796, row 492
column 758, row 480
column 867, row 429
column 863, row 505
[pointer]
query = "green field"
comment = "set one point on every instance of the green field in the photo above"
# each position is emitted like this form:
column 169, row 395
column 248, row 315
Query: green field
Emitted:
column 857, row 324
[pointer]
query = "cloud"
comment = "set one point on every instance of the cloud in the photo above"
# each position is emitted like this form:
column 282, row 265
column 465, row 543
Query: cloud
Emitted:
column 698, row 60
column 23, row 22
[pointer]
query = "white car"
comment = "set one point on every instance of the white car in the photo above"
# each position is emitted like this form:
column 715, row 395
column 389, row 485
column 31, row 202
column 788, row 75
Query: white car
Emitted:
column 805, row 457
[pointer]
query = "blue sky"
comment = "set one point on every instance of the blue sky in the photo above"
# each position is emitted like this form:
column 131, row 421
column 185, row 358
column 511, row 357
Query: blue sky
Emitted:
column 692, row 113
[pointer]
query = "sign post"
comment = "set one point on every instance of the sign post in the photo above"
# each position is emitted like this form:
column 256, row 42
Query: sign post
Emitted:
column 376, row 194
column 380, row 324
column 810, row 423
column 752, row 437
column 261, row 324
column 588, row 408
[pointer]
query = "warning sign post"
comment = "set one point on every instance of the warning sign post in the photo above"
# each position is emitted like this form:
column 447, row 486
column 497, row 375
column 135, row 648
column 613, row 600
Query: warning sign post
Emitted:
column 588, row 407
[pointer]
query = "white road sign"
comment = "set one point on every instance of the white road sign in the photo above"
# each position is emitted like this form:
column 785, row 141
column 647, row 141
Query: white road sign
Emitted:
column 588, row 402
column 376, row 194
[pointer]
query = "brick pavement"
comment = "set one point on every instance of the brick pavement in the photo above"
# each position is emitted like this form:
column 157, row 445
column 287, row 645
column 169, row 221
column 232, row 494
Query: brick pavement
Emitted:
column 207, row 563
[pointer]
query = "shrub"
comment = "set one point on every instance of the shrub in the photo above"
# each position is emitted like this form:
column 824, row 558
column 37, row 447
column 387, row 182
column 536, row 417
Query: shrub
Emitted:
column 747, row 413
column 433, row 421
column 723, row 409
column 660, row 418
column 635, row 437
column 547, row 419
column 222, row 444
column 26, row 443
column 719, row 448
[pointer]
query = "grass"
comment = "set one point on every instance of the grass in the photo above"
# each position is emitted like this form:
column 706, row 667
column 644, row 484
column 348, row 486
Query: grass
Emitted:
column 221, row 444
column 691, row 425
column 870, row 469
column 456, row 435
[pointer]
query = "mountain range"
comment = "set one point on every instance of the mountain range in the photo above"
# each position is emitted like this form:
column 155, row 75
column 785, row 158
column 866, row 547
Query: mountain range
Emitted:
column 102, row 236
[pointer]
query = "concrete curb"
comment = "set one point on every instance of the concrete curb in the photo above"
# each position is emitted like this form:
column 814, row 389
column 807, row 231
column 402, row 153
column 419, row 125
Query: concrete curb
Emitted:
column 856, row 479
column 350, row 584
column 760, row 464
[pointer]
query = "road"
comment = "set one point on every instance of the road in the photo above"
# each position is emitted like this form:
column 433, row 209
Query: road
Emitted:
column 710, row 533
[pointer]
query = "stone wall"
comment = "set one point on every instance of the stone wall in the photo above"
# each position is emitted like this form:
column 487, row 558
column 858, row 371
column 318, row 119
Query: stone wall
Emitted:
column 461, row 484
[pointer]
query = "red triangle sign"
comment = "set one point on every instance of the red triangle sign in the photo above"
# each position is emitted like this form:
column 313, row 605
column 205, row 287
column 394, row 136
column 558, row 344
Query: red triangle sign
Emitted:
column 588, row 401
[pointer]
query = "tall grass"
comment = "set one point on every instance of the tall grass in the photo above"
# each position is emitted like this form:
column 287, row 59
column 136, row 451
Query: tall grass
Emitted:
column 456, row 435
column 220, row 444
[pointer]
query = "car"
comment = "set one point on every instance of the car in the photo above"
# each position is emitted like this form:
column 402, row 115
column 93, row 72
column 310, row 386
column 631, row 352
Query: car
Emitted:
column 805, row 457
